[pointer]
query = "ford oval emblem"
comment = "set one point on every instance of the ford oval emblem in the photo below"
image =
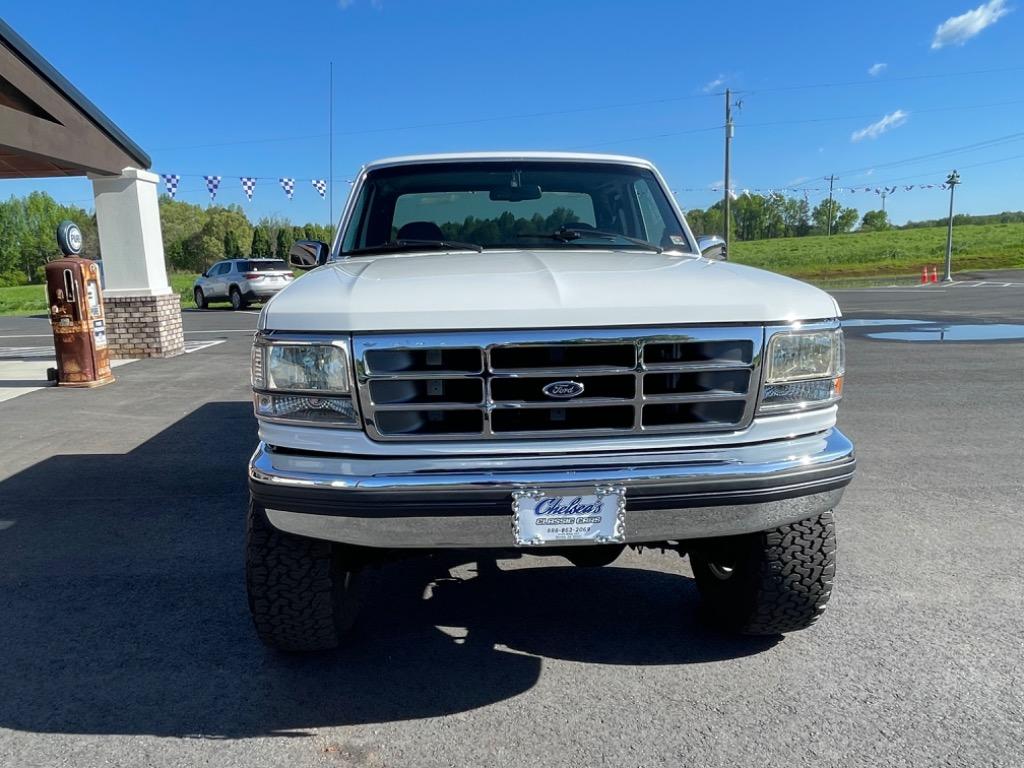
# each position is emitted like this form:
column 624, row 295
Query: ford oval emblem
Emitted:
column 563, row 390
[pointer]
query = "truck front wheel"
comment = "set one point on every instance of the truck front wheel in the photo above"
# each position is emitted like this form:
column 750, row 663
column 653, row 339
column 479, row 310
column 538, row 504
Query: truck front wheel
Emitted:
column 769, row 582
column 302, row 592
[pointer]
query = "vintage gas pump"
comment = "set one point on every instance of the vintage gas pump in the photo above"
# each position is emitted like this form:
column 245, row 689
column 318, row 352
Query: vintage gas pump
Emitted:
column 76, row 315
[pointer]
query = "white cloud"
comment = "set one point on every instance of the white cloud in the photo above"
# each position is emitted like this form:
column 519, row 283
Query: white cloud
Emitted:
column 716, row 83
column 876, row 69
column 887, row 123
column 957, row 30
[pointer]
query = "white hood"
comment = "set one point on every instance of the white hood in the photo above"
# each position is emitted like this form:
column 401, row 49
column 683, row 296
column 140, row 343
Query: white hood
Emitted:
column 537, row 289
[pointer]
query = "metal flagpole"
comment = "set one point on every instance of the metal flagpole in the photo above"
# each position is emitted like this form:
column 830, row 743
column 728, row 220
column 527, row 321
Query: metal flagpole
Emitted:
column 330, row 164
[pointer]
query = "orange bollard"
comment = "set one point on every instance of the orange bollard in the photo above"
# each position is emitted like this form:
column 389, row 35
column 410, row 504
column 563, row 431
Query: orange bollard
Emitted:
column 924, row 275
column 935, row 274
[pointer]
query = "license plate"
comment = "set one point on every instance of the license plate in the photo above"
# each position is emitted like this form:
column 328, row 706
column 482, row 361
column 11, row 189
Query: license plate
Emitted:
column 588, row 515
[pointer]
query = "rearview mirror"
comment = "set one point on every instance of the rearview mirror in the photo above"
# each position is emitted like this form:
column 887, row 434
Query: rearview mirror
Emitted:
column 516, row 194
column 307, row 254
column 712, row 247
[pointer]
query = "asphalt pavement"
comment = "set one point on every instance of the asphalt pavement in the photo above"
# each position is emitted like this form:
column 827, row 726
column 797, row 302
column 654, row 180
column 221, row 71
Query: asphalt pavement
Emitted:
column 125, row 638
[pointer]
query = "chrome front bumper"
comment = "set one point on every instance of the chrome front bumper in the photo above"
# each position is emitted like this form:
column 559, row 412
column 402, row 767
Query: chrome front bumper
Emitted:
column 467, row 502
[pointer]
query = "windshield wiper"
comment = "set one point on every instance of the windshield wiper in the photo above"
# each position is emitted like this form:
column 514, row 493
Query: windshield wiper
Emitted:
column 569, row 234
column 407, row 244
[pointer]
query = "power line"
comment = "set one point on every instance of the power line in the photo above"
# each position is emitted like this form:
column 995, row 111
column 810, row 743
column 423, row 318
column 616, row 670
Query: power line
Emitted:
column 584, row 109
column 882, row 80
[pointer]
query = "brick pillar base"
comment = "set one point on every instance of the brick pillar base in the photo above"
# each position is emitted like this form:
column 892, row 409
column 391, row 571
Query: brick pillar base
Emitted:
column 144, row 326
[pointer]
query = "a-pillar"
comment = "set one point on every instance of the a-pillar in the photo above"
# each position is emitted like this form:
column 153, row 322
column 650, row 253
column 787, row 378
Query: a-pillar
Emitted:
column 143, row 313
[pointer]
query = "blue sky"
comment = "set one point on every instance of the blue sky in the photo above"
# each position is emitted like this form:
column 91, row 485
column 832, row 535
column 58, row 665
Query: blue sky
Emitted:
column 240, row 89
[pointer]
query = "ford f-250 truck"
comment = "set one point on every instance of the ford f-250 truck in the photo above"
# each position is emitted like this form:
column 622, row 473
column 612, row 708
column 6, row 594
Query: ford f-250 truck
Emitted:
column 530, row 351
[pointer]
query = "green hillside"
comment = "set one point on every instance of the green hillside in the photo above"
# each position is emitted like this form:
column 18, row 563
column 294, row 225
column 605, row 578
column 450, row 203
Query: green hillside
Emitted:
column 890, row 252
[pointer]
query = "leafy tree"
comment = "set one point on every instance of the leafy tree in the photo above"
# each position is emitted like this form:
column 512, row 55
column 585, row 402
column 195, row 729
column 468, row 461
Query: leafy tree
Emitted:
column 847, row 220
column 261, row 248
column 283, row 245
column 796, row 217
column 842, row 220
column 232, row 250
column 875, row 221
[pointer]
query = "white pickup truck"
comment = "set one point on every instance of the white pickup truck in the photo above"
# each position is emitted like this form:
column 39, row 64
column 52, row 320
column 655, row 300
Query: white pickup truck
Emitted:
column 529, row 351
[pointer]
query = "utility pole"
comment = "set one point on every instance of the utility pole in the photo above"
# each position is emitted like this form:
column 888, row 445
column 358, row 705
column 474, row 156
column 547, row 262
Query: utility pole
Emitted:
column 831, row 182
column 951, row 182
column 728, row 190
column 884, row 193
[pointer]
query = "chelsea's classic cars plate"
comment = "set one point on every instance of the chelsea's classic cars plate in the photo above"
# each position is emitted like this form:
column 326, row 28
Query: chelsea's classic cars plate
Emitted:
column 588, row 515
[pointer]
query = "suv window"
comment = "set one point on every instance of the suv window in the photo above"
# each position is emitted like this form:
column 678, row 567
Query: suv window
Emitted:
column 512, row 205
column 263, row 265
column 219, row 269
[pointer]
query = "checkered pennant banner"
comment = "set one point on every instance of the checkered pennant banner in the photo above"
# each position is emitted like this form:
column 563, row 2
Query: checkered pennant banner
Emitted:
column 288, row 185
column 320, row 185
column 171, row 183
column 248, row 185
column 212, row 182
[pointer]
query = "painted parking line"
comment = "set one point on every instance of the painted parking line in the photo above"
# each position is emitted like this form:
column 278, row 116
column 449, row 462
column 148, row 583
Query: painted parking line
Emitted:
column 20, row 377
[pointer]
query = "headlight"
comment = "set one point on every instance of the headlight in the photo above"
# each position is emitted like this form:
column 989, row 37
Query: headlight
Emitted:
column 303, row 381
column 803, row 369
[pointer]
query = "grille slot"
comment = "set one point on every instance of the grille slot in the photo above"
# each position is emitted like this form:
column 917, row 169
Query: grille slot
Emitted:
column 402, row 391
column 576, row 357
column 491, row 385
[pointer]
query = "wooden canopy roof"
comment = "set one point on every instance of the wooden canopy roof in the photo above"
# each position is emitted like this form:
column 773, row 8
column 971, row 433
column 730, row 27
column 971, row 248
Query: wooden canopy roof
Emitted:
column 47, row 127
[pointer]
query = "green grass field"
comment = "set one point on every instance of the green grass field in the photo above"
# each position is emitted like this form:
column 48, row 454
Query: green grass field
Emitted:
column 827, row 260
column 31, row 299
column 892, row 253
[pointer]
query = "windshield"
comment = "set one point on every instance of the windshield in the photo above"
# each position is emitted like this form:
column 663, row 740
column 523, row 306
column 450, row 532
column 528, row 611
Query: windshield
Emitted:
column 469, row 205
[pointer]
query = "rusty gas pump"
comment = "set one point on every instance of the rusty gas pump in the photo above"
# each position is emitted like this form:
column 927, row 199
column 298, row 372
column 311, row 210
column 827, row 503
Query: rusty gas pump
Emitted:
column 76, row 315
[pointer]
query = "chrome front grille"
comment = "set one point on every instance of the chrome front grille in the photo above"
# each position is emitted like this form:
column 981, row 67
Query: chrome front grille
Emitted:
column 491, row 385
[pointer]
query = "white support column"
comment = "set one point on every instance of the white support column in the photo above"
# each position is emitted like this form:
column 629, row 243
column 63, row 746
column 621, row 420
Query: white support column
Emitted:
column 143, row 313
column 128, row 217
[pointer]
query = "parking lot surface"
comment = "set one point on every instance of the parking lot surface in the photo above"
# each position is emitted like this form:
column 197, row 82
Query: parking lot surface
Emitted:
column 126, row 640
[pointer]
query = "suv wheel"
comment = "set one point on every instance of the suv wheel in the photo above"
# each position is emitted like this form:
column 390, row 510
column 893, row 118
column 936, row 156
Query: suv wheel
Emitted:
column 237, row 302
column 769, row 582
column 302, row 592
column 200, row 298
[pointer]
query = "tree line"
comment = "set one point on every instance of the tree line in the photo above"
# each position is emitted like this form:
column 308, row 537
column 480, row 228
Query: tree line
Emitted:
column 194, row 236
column 757, row 217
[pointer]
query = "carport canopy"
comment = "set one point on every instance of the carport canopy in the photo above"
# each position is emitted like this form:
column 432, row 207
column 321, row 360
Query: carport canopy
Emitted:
column 48, row 128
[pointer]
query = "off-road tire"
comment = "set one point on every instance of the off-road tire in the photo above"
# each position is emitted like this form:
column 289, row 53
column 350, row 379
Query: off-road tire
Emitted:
column 779, row 581
column 200, row 298
column 237, row 300
column 303, row 595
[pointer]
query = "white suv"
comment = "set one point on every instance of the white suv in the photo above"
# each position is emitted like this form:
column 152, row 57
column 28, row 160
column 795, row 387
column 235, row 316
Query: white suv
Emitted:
column 241, row 281
column 529, row 352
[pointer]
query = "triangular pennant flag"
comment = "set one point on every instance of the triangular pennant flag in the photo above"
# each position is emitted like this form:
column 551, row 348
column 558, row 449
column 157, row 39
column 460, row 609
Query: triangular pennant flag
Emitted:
column 320, row 185
column 171, row 182
column 248, row 185
column 288, row 185
column 212, row 182
column 908, row 187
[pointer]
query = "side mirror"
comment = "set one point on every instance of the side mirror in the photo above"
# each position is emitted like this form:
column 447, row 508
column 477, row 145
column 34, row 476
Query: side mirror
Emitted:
column 712, row 247
column 307, row 254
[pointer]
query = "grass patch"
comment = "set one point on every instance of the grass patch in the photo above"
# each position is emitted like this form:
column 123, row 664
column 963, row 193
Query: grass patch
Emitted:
column 893, row 252
column 31, row 299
